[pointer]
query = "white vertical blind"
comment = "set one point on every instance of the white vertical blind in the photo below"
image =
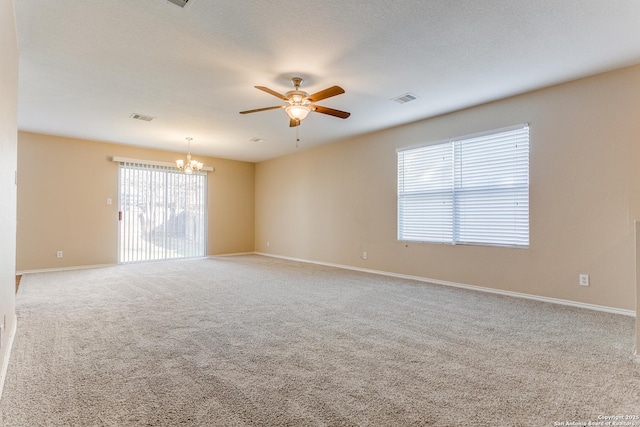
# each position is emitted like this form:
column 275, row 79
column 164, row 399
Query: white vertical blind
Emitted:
column 162, row 213
column 472, row 190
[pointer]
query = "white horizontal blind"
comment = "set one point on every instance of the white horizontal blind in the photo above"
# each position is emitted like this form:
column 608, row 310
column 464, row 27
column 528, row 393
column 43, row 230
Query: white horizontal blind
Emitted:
column 162, row 213
column 492, row 189
column 488, row 191
column 425, row 190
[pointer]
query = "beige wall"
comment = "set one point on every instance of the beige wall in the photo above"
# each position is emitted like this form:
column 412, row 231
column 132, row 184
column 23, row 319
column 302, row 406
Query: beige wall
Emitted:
column 8, row 137
column 63, row 186
column 332, row 203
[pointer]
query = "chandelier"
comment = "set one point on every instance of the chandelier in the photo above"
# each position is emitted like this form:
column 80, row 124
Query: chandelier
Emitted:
column 190, row 166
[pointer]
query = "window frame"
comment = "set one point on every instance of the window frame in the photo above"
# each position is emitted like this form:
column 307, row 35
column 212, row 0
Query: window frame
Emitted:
column 165, row 194
column 519, row 204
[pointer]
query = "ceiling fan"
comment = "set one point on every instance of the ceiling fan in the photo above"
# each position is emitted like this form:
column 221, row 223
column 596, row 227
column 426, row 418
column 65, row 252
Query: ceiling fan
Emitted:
column 299, row 103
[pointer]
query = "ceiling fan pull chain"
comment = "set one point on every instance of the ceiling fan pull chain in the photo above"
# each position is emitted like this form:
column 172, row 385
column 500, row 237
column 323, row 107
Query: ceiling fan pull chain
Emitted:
column 297, row 135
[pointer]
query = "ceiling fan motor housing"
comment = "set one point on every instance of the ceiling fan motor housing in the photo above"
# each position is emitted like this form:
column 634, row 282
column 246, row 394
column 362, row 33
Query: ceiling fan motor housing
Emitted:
column 297, row 97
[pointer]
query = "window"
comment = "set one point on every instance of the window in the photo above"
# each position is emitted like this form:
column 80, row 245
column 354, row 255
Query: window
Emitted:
column 162, row 213
column 470, row 190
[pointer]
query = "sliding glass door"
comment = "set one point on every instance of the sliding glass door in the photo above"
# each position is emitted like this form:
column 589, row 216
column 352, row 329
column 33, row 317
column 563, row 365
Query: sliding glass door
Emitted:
column 163, row 213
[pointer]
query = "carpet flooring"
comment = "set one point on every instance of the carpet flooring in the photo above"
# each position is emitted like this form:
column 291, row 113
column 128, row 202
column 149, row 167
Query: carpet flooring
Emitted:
column 257, row 341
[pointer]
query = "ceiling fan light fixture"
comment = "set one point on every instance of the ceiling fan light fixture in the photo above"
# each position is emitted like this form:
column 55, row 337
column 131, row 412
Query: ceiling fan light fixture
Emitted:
column 297, row 112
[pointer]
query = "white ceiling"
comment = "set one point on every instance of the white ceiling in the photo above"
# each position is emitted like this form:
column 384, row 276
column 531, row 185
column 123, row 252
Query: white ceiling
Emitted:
column 86, row 66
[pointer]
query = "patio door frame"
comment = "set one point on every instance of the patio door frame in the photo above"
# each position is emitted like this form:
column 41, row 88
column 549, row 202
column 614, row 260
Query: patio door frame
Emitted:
column 162, row 212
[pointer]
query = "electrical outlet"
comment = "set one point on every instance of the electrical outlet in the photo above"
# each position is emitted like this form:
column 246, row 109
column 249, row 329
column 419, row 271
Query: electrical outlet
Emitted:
column 268, row 244
column 365, row 255
column 59, row 254
column 584, row 280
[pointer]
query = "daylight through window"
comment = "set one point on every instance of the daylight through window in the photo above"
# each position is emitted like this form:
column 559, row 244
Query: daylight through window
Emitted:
column 470, row 190
column 163, row 213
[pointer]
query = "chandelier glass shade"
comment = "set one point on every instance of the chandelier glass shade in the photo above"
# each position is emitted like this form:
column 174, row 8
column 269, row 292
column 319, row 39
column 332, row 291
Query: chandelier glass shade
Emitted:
column 189, row 166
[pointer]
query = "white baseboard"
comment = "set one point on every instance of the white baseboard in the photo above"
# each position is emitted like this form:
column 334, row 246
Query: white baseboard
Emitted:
column 77, row 267
column 85, row 267
column 7, row 354
column 595, row 307
column 232, row 254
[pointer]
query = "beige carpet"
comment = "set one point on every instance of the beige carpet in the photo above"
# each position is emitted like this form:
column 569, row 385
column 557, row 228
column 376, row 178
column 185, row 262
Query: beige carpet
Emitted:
column 255, row 341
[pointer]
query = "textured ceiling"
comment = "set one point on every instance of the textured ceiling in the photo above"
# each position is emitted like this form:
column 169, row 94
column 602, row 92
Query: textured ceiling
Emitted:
column 86, row 66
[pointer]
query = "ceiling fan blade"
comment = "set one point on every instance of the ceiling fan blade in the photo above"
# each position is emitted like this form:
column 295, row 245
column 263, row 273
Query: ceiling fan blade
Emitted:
column 294, row 122
column 324, row 94
column 272, row 92
column 262, row 109
column 330, row 111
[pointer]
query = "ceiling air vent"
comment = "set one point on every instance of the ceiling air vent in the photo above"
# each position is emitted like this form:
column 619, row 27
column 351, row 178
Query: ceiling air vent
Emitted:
column 180, row 3
column 403, row 99
column 141, row 117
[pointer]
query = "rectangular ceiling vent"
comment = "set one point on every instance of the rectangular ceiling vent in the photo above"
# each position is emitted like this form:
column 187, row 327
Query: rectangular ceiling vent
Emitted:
column 403, row 99
column 141, row 117
column 181, row 3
